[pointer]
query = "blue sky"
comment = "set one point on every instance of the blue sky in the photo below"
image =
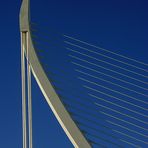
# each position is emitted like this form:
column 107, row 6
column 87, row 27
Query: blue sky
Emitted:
column 120, row 26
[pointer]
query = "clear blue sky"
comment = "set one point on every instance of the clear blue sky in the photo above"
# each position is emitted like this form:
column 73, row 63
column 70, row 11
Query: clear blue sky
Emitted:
column 120, row 26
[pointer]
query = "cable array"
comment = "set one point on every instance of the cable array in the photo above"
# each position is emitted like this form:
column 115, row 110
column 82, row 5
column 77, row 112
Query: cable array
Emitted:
column 104, row 92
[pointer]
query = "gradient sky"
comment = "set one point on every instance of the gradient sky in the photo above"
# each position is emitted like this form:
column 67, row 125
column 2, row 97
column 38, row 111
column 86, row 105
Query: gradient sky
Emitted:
column 120, row 26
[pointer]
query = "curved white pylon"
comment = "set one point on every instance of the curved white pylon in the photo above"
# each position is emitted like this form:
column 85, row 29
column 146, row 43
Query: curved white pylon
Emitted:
column 65, row 120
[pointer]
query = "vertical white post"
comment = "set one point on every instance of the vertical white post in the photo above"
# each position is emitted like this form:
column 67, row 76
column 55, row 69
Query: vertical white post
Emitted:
column 27, row 133
column 29, row 96
column 23, row 90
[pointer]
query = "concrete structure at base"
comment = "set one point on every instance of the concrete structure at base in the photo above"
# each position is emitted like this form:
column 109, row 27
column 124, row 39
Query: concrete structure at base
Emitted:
column 34, row 67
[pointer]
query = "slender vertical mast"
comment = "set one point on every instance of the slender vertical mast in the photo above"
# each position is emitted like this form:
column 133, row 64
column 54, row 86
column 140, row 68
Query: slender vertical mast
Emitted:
column 29, row 97
column 27, row 133
column 24, row 24
column 24, row 124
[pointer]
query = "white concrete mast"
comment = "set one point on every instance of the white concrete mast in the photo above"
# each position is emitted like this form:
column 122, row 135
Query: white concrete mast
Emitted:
column 53, row 100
